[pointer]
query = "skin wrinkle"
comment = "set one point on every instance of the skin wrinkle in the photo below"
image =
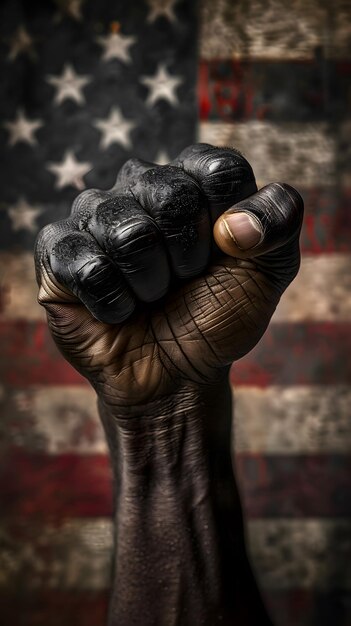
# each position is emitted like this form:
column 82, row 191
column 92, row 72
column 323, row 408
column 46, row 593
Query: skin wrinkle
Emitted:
column 230, row 294
column 194, row 321
column 161, row 370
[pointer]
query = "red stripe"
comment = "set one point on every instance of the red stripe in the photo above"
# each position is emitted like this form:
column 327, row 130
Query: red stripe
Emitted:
column 294, row 486
column 54, row 608
column 304, row 607
column 239, row 90
column 327, row 222
column 30, row 357
column 288, row 354
column 58, row 487
column 70, row 485
column 298, row 354
column 57, row 608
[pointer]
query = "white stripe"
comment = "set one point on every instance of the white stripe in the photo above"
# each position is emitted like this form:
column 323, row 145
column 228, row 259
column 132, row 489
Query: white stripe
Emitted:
column 273, row 30
column 286, row 554
column 321, row 291
column 301, row 554
column 54, row 420
column 292, row 420
column 19, row 287
column 75, row 555
column 274, row 420
column 300, row 154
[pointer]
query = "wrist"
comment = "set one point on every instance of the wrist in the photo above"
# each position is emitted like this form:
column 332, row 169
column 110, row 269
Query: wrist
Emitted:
column 177, row 511
column 174, row 435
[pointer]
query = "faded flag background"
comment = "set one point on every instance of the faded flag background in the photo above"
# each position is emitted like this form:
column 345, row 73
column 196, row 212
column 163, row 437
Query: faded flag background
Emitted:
column 85, row 85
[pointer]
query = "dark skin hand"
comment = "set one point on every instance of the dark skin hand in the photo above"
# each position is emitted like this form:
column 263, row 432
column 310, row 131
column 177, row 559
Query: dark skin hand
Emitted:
column 152, row 290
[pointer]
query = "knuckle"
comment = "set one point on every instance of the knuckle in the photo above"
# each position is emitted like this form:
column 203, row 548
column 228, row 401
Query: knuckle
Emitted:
column 293, row 199
column 225, row 175
column 169, row 191
column 287, row 206
column 136, row 234
column 87, row 201
column 42, row 238
column 212, row 159
column 131, row 171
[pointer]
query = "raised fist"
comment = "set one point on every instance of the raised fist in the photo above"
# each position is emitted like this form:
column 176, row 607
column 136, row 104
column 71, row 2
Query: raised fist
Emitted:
column 139, row 296
column 152, row 289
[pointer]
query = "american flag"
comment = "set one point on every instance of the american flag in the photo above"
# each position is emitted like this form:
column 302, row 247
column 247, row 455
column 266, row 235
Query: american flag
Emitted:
column 85, row 86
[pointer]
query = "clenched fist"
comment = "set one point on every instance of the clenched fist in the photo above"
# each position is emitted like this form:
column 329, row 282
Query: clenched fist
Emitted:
column 152, row 289
column 139, row 298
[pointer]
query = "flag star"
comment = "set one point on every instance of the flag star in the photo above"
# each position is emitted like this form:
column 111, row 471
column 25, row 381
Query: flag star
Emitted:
column 69, row 85
column 71, row 8
column 162, row 85
column 69, row 171
column 116, row 46
column 115, row 129
column 22, row 129
column 161, row 8
column 23, row 215
column 21, row 43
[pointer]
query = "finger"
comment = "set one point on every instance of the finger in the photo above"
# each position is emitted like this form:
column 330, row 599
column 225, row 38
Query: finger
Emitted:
column 175, row 201
column 130, row 172
column 79, row 265
column 225, row 176
column 264, row 221
column 243, row 292
column 86, row 202
column 265, row 226
column 133, row 242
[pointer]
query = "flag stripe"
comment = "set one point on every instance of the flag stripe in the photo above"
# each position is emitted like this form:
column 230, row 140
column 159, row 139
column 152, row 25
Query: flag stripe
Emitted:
column 270, row 31
column 232, row 90
column 298, row 354
column 56, row 487
column 89, row 608
column 72, row 485
column 289, row 554
column 292, row 420
column 290, row 486
column 319, row 354
column 73, row 555
column 54, row 420
column 302, row 155
column 56, row 607
column 305, row 607
column 327, row 220
column 321, row 291
column 272, row 420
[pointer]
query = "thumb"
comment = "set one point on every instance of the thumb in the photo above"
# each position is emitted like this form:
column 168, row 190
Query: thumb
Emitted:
column 265, row 227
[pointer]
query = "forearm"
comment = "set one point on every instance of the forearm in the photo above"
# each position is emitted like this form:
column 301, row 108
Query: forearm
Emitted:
column 179, row 545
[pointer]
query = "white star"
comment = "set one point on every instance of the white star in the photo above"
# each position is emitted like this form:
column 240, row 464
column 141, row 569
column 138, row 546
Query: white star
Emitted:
column 116, row 46
column 69, row 85
column 22, row 129
column 21, row 42
column 162, row 158
column 71, row 8
column 69, row 171
column 162, row 85
column 161, row 8
column 22, row 215
column 115, row 129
